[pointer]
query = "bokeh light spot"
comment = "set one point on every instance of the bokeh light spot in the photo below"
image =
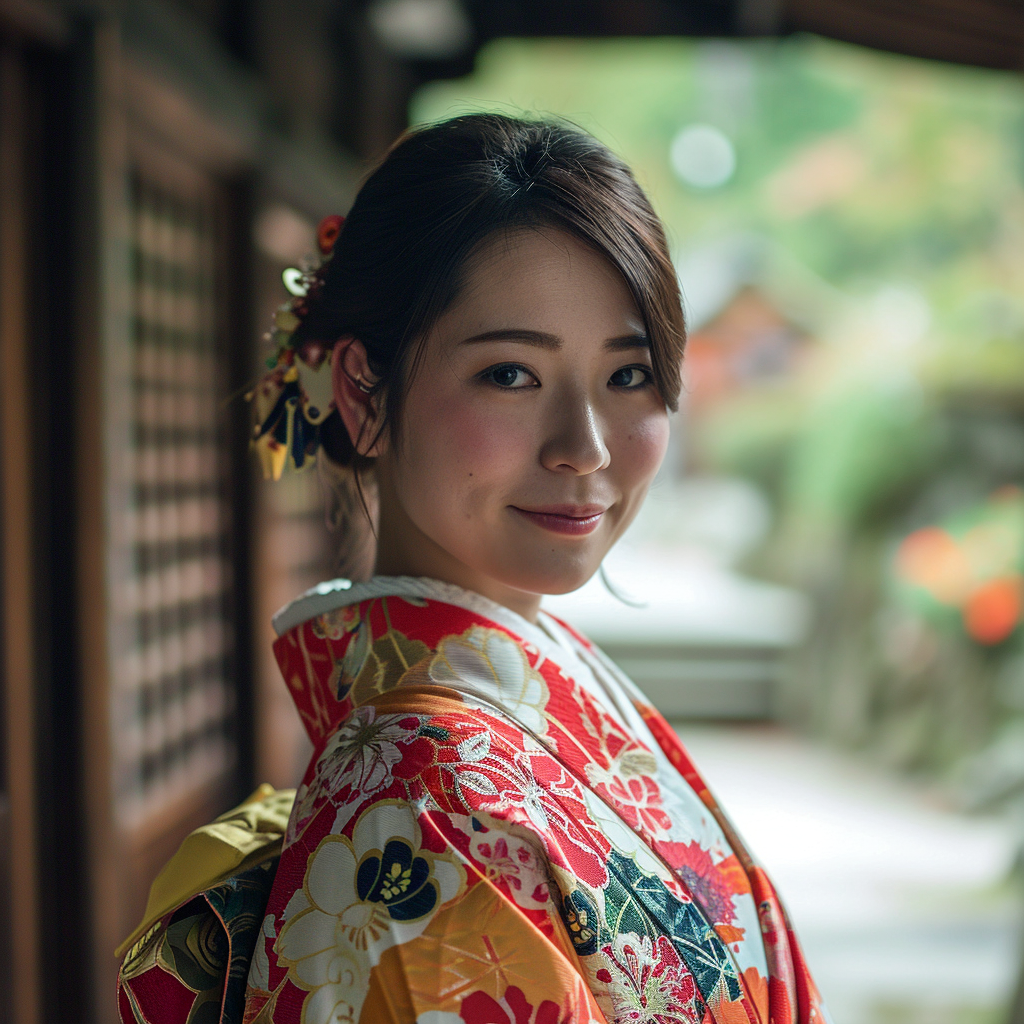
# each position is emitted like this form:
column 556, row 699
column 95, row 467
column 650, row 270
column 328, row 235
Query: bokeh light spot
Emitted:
column 702, row 156
column 930, row 558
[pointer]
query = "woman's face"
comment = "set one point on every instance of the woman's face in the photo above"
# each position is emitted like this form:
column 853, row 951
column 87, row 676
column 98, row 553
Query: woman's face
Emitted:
column 531, row 430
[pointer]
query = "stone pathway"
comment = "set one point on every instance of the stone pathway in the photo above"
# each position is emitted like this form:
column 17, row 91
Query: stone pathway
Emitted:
column 905, row 908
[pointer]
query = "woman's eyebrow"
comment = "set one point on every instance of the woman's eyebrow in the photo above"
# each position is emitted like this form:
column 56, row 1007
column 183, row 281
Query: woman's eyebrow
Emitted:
column 544, row 340
column 628, row 341
column 520, row 334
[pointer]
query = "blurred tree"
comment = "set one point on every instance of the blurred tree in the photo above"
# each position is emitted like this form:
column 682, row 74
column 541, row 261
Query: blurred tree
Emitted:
column 869, row 168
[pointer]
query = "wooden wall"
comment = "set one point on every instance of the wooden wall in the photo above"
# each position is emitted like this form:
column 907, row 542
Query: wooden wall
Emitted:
column 164, row 531
column 141, row 557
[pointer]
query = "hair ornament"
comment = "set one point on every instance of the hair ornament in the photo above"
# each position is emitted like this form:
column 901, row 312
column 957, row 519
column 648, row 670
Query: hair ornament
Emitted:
column 328, row 231
column 286, row 422
column 292, row 278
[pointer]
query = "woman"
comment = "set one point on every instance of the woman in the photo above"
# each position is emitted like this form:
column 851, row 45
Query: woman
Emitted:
column 495, row 826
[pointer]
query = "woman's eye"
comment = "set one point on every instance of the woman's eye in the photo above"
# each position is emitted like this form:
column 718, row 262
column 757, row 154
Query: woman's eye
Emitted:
column 509, row 376
column 630, row 377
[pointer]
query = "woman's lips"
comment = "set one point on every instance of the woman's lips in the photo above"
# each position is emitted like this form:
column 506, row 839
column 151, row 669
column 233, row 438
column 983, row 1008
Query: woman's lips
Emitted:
column 574, row 520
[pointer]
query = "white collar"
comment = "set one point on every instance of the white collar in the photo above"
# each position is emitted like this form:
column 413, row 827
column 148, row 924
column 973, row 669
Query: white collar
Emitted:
column 334, row 594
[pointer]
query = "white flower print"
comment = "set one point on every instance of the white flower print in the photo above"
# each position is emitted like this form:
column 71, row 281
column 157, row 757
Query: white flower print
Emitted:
column 619, row 834
column 302, row 810
column 295, row 905
column 365, row 895
column 629, row 781
column 361, row 754
column 630, row 763
column 625, row 841
column 533, row 803
column 490, row 663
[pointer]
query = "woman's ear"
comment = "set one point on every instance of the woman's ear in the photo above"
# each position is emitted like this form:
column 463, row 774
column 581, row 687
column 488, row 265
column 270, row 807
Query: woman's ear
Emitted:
column 352, row 382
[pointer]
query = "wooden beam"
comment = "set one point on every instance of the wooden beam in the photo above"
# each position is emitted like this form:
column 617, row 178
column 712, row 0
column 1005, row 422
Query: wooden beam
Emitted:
column 167, row 112
column 985, row 33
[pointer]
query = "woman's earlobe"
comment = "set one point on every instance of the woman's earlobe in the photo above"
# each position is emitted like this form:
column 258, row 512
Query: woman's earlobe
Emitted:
column 352, row 385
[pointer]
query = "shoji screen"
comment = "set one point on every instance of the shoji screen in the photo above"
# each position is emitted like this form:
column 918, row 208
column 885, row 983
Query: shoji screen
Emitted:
column 174, row 698
column 165, row 557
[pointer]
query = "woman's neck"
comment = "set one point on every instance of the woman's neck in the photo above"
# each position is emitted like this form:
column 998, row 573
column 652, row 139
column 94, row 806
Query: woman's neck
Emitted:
column 404, row 550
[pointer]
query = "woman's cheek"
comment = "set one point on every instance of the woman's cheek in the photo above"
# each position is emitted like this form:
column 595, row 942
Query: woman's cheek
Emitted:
column 482, row 441
column 644, row 446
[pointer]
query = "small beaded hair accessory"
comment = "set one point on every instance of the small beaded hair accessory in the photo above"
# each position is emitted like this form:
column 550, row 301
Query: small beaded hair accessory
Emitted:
column 286, row 423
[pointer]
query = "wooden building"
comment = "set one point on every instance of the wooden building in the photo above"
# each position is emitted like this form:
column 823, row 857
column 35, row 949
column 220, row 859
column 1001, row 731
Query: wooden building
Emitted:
column 135, row 159
column 160, row 162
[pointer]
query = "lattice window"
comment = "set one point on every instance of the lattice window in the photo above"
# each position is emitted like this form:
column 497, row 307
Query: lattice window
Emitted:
column 175, row 690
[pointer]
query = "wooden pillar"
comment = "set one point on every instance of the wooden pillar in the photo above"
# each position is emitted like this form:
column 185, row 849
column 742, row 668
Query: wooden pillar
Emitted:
column 16, row 539
column 103, row 323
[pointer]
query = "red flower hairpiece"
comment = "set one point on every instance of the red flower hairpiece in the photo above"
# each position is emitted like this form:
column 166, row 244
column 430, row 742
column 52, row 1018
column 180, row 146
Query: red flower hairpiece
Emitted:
column 327, row 233
column 286, row 424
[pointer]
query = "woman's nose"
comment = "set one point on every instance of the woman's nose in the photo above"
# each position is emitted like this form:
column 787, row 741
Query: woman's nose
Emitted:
column 575, row 440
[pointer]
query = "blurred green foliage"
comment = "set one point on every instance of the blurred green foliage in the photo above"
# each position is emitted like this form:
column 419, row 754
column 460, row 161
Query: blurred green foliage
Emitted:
column 859, row 446
column 866, row 167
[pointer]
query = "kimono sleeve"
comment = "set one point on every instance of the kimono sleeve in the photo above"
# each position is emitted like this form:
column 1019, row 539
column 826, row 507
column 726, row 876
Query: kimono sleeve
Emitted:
column 418, row 916
column 190, row 966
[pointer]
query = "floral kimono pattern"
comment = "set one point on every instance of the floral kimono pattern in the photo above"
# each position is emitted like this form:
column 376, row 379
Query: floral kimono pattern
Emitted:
column 479, row 840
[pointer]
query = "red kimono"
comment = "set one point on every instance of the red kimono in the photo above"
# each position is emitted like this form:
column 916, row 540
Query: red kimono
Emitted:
column 494, row 828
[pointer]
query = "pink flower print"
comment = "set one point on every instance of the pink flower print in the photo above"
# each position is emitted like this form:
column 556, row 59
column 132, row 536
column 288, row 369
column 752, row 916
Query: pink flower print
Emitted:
column 512, row 860
column 640, row 798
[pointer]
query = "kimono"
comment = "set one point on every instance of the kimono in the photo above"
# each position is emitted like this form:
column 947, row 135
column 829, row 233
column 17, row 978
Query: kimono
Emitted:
column 494, row 828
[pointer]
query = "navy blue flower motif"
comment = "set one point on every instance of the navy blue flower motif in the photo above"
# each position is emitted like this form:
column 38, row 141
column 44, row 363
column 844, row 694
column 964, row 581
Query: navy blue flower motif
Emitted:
column 398, row 879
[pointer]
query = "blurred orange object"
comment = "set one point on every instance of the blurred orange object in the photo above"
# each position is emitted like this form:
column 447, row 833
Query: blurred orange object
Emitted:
column 993, row 611
column 930, row 558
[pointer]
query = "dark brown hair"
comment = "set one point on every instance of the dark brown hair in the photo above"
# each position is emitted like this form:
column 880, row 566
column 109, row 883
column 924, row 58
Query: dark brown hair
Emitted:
column 438, row 195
